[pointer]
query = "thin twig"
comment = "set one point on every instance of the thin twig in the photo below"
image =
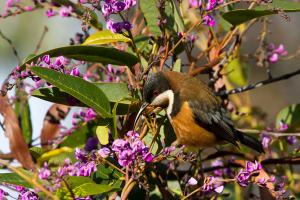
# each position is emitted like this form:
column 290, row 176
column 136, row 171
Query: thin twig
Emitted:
column 258, row 84
column 38, row 46
column 15, row 52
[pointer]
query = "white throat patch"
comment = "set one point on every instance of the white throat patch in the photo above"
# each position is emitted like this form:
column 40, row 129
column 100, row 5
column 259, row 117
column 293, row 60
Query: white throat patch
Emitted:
column 166, row 96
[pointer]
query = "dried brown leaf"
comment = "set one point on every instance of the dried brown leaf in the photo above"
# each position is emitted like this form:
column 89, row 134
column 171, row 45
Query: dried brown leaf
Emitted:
column 13, row 132
column 55, row 114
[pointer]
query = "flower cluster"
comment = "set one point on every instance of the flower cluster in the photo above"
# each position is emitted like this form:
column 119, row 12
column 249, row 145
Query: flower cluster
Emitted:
column 212, row 184
column 3, row 194
column 210, row 5
column 129, row 150
column 12, row 6
column 26, row 194
column 110, row 7
column 274, row 53
column 244, row 176
column 64, row 11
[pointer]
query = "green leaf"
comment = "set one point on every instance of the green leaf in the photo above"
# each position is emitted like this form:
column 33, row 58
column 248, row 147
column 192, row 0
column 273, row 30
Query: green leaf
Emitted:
column 237, row 72
column 290, row 115
column 84, row 91
column 36, row 152
column 151, row 14
column 102, row 134
column 177, row 65
column 236, row 17
column 15, row 179
column 104, row 55
column 174, row 19
column 87, row 189
column 105, row 37
column 23, row 113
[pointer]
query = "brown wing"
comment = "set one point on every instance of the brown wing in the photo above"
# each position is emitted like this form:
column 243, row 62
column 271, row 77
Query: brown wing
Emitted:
column 207, row 110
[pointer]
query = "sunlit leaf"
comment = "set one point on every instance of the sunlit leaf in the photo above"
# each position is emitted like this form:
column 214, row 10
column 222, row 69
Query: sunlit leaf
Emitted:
column 236, row 72
column 105, row 37
column 102, row 134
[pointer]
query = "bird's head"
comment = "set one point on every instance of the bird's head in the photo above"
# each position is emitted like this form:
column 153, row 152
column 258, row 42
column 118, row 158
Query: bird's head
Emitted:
column 156, row 92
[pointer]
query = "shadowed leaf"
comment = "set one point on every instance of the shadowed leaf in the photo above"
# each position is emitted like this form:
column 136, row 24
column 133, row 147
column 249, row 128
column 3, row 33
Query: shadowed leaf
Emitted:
column 151, row 14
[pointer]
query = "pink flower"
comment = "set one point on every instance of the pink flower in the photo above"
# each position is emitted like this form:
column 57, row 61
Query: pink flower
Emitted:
column 192, row 181
column 50, row 13
column 65, row 11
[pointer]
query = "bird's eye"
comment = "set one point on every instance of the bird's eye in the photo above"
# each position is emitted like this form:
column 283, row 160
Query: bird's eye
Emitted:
column 155, row 93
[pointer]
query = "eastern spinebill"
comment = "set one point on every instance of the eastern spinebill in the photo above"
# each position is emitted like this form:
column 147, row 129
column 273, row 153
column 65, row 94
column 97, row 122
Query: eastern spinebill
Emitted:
column 195, row 113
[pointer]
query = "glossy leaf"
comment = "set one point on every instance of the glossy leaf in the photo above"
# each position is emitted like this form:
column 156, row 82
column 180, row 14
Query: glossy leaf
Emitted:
column 105, row 55
column 102, row 134
column 84, row 91
column 236, row 17
column 290, row 115
column 15, row 179
column 105, row 37
column 237, row 72
column 151, row 14
column 115, row 91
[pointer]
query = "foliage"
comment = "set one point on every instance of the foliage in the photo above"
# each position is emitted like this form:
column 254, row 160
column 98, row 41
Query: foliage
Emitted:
column 104, row 154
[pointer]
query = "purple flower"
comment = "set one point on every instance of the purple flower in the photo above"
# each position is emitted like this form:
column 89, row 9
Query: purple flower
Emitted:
column 211, row 4
column 50, row 13
column 192, row 181
column 274, row 53
column 118, row 6
column 148, row 157
column 46, row 59
column 283, row 126
column 60, row 62
column 3, row 194
column 126, row 157
column 115, row 27
column 266, row 140
column 130, row 3
column 107, row 10
column 126, row 25
column 250, row 166
column 80, row 155
column 120, row 145
column 87, row 169
column 195, row 3
column 208, row 20
column 90, row 115
column 243, row 178
column 216, row 163
column 292, row 139
column 212, row 184
column 91, row 144
column 104, row 152
column 272, row 179
column 83, row 1
column 168, row 150
column 75, row 72
column 65, row 11
column 44, row 172
column 132, row 135
column 28, row 195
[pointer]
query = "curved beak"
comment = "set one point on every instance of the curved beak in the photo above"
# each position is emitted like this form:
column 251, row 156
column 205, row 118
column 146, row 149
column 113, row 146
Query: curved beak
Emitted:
column 143, row 107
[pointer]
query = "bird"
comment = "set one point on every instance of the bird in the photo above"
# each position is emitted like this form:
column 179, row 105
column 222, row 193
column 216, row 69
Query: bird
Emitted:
column 194, row 111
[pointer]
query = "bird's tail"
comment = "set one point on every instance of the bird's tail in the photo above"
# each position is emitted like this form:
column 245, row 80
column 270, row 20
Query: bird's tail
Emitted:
column 250, row 142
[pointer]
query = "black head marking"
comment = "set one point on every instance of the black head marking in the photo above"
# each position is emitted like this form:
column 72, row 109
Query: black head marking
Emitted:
column 155, row 85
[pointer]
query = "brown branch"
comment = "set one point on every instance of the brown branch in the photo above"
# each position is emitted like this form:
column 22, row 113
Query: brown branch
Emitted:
column 287, row 160
column 258, row 84
column 15, row 52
